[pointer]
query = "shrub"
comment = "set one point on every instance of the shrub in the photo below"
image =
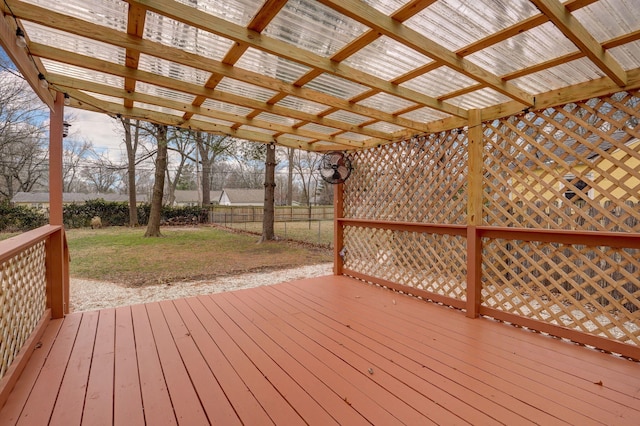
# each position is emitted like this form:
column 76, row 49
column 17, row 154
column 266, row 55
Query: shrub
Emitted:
column 19, row 218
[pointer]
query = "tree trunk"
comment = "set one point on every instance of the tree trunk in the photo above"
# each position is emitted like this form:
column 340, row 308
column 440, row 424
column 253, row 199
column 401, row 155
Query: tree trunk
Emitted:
column 132, row 144
column 153, row 227
column 269, row 194
column 290, row 178
column 206, row 169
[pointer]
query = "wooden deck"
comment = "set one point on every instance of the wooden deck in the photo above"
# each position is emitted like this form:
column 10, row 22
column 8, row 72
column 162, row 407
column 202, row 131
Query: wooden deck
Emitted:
column 323, row 351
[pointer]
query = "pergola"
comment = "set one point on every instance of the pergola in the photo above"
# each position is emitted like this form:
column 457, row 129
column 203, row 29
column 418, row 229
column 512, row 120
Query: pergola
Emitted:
column 496, row 153
column 322, row 75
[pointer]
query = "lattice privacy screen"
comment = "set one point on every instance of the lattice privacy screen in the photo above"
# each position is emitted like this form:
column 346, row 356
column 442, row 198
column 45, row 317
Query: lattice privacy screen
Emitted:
column 22, row 300
column 573, row 167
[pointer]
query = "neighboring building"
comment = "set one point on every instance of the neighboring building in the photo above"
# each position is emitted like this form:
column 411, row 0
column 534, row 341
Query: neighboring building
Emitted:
column 193, row 198
column 40, row 200
column 242, row 197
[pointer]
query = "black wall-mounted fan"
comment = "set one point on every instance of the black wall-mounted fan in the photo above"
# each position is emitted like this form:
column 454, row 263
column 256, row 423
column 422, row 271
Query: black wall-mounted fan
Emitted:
column 335, row 167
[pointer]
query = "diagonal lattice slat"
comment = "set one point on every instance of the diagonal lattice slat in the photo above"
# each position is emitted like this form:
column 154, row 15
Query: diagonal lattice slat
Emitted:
column 418, row 180
column 570, row 167
column 433, row 263
column 22, row 300
column 592, row 289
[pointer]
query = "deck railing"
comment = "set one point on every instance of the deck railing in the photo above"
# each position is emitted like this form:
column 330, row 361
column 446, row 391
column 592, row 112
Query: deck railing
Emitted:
column 33, row 288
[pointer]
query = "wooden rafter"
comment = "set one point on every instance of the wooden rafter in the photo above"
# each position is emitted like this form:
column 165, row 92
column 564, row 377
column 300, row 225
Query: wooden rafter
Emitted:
column 579, row 35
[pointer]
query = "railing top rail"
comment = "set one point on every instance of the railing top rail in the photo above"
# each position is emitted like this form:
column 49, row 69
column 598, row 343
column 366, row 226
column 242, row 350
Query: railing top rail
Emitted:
column 14, row 245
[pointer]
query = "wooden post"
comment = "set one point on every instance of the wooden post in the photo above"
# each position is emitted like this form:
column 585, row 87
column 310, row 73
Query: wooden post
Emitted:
column 474, row 214
column 57, row 266
column 338, row 231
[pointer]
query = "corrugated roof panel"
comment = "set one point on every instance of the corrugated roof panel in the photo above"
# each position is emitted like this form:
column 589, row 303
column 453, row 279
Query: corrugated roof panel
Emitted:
column 392, row 59
column 385, row 127
column 82, row 73
column 303, row 105
column 348, row 117
column 237, row 11
column 212, row 120
column 479, row 99
column 424, row 115
column 162, row 92
column 312, row 26
column 457, row 23
column 172, row 33
column 171, row 69
column 532, row 47
column 108, row 13
column 628, row 55
column 75, row 44
column 226, row 107
column 574, row 72
column 386, row 102
column 246, row 90
column 278, row 119
column 271, row 65
column 336, row 86
column 607, row 19
column 439, row 82
column 320, row 129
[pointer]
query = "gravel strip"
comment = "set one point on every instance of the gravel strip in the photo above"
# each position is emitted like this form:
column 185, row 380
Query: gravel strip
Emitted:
column 89, row 295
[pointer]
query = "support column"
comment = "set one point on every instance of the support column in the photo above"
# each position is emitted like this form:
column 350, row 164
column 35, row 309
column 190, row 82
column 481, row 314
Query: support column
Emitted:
column 338, row 231
column 57, row 256
column 474, row 214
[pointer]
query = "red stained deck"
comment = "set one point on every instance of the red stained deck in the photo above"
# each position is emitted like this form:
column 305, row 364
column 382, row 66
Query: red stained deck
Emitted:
column 328, row 350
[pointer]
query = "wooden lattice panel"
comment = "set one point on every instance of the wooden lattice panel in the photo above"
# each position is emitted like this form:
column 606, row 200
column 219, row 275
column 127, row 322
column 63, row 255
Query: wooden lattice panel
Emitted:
column 570, row 167
column 429, row 262
column 592, row 289
column 418, row 180
column 22, row 300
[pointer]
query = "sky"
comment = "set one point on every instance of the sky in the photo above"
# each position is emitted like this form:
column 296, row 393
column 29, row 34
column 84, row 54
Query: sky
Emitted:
column 98, row 128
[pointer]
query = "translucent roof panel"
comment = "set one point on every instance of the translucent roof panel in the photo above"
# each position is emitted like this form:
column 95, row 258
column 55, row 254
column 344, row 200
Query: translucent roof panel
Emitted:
column 303, row 105
column 424, row 115
column 174, row 70
column 190, row 39
column 212, row 120
column 479, row 99
column 237, row 11
column 609, row 19
column 161, row 92
column 628, row 55
column 439, row 82
column 75, row 44
column 348, row 117
column 392, row 59
column 320, row 129
column 336, row 86
column 314, row 27
column 532, row 47
column 216, row 105
column 386, row 6
column 385, row 127
column 458, row 23
column 245, row 89
column 271, row 65
column 82, row 73
column 278, row 119
column 107, row 13
column 105, row 98
column 574, row 72
column 387, row 103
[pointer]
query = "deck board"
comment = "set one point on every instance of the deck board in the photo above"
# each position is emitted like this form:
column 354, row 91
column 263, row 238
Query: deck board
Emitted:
column 329, row 350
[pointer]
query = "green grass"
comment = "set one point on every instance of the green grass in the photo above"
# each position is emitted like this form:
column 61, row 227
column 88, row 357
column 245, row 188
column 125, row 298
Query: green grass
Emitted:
column 124, row 255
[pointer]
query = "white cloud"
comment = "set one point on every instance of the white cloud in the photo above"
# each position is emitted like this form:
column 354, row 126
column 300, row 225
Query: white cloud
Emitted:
column 98, row 128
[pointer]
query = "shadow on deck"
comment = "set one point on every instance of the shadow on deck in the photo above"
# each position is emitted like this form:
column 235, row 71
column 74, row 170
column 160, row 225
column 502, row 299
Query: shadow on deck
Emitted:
column 328, row 350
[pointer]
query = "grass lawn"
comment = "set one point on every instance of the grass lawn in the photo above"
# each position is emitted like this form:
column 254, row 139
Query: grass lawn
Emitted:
column 315, row 232
column 124, row 255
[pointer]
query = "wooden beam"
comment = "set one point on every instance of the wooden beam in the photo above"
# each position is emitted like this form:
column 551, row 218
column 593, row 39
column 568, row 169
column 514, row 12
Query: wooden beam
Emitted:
column 135, row 27
column 21, row 60
column 578, row 34
column 226, row 29
column 384, row 24
column 133, row 43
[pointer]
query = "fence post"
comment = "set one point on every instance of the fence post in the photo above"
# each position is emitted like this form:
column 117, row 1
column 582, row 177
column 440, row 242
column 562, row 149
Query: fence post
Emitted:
column 474, row 214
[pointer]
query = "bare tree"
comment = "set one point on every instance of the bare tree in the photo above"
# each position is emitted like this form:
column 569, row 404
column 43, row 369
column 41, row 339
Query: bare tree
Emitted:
column 180, row 142
column 76, row 152
column 101, row 174
column 22, row 135
column 131, row 142
column 306, row 164
column 210, row 147
column 153, row 227
column 269, row 191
